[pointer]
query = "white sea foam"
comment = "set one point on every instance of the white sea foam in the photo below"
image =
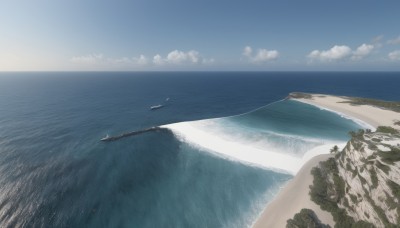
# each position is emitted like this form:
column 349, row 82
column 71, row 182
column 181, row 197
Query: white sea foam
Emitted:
column 201, row 134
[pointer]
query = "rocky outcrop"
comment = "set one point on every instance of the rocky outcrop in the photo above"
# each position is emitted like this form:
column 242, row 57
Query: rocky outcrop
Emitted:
column 362, row 182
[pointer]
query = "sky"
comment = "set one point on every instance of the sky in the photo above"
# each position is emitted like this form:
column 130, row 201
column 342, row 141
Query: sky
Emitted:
column 206, row 35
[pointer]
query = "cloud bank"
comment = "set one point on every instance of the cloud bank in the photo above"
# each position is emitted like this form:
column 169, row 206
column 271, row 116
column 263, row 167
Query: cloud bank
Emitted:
column 362, row 51
column 341, row 52
column 87, row 59
column 262, row 55
column 101, row 60
column 175, row 58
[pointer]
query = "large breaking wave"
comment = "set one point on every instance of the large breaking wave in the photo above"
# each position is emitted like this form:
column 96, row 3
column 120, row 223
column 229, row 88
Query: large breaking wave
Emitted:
column 281, row 136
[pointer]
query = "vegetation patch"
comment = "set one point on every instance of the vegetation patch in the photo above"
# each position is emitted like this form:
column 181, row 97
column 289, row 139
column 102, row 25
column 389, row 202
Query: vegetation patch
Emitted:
column 389, row 105
column 305, row 218
column 381, row 213
column 390, row 202
column 383, row 167
column 354, row 172
column 376, row 140
column 374, row 178
column 328, row 196
column 387, row 129
column 395, row 188
column 298, row 95
column 356, row 135
column 329, row 189
column 390, row 157
column 353, row 198
column 362, row 179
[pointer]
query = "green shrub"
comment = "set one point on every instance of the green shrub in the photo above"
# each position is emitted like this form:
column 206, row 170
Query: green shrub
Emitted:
column 374, row 178
column 353, row 198
column 390, row 105
column 362, row 224
column 390, row 157
column 395, row 188
column 362, row 179
column 383, row 167
column 300, row 95
column 319, row 192
column 376, row 140
column 380, row 212
column 387, row 129
column 306, row 218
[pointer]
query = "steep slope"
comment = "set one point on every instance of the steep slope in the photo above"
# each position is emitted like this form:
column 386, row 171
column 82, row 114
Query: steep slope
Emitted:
column 361, row 185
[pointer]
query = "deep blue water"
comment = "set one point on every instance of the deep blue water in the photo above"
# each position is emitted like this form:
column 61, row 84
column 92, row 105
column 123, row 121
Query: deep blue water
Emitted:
column 54, row 171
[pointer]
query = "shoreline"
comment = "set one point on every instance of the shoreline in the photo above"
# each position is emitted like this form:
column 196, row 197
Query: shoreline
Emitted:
column 371, row 115
column 294, row 195
column 292, row 198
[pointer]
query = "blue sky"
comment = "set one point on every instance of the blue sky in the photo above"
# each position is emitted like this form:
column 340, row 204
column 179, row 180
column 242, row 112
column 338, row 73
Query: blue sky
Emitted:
column 199, row 35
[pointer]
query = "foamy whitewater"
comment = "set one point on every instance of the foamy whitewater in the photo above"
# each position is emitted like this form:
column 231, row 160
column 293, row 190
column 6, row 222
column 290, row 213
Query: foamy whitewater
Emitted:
column 249, row 138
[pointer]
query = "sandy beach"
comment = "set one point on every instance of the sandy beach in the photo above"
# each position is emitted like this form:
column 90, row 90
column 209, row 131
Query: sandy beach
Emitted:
column 372, row 115
column 294, row 195
column 292, row 198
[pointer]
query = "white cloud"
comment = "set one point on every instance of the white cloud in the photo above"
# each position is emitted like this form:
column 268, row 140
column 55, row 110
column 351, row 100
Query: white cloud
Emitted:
column 341, row 52
column 247, row 51
column 157, row 59
column 394, row 41
column 394, row 55
column 362, row 51
column 174, row 57
column 177, row 57
column 142, row 60
column 337, row 52
column 100, row 60
column 263, row 55
column 87, row 59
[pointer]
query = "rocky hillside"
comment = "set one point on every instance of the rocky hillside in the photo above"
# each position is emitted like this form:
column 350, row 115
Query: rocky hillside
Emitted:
column 360, row 186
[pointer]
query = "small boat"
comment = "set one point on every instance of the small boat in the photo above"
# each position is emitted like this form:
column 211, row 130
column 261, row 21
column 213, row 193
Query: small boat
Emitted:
column 156, row 107
column 105, row 138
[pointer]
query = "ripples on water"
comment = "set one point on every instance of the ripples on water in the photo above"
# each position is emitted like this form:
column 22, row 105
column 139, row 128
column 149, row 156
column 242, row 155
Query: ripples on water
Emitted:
column 54, row 171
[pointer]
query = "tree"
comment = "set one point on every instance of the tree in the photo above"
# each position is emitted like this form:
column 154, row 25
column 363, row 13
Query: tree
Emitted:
column 335, row 149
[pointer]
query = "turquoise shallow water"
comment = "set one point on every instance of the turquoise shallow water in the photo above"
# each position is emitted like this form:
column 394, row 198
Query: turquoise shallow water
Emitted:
column 54, row 171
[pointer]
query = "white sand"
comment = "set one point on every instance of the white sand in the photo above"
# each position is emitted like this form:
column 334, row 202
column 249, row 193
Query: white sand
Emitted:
column 294, row 196
column 373, row 115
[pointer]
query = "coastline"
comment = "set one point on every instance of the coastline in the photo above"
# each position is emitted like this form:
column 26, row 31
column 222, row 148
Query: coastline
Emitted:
column 292, row 198
column 371, row 115
column 294, row 195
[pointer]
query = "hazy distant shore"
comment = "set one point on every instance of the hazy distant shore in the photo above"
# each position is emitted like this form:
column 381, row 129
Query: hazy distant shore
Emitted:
column 294, row 195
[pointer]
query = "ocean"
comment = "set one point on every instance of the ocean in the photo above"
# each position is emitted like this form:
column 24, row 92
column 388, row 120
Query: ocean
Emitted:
column 229, row 142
